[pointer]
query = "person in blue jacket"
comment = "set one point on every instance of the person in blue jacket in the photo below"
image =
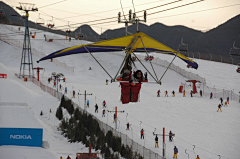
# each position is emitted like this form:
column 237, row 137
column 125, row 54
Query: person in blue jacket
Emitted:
column 88, row 103
column 175, row 152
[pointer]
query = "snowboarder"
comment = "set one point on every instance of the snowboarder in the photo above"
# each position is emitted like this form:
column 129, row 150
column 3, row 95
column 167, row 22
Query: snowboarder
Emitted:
column 114, row 118
column 103, row 113
column 104, row 104
column 191, row 93
column 73, row 94
column 221, row 100
column 184, row 93
column 66, row 90
column 166, row 93
column 88, row 103
column 228, row 100
column 156, row 141
column 170, row 135
column 127, row 126
column 158, row 93
column 61, row 157
column 142, row 134
column 173, row 93
column 175, row 152
column 219, row 107
column 198, row 157
column 96, row 108
column 201, row 93
column 60, row 87
column 211, row 94
column 106, row 81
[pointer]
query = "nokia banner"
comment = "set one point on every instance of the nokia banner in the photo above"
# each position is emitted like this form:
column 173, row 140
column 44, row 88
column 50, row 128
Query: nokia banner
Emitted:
column 21, row 136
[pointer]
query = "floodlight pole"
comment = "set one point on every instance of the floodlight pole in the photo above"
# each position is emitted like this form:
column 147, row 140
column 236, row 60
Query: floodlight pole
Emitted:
column 26, row 59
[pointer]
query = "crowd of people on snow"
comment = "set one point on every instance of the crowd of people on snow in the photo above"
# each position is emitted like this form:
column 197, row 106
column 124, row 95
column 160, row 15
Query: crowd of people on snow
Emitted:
column 139, row 77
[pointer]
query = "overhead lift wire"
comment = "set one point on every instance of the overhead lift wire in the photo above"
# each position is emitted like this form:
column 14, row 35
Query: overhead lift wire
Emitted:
column 52, row 4
column 101, row 11
column 123, row 15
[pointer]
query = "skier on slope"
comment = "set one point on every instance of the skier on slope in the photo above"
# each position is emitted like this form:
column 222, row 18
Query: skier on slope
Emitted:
column 191, row 93
column 103, row 113
column 184, row 93
column 158, row 93
column 170, row 135
column 104, row 104
column 128, row 126
column 73, row 93
column 156, row 141
column 96, row 108
column 228, row 100
column 142, row 134
column 173, row 93
column 221, row 100
column 219, row 107
column 88, row 103
column 198, row 157
column 166, row 94
column 114, row 117
column 60, row 87
column 211, row 94
column 175, row 152
column 201, row 93
column 66, row 90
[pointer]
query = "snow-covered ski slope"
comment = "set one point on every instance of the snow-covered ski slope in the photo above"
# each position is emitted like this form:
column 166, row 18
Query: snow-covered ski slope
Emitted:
column 195, row 121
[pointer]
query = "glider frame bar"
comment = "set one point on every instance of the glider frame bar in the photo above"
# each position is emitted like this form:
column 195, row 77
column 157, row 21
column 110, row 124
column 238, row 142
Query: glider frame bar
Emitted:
column 148, row 56
column 98, row 62
column 145, row 67
column 168, row 67
column 128, row 53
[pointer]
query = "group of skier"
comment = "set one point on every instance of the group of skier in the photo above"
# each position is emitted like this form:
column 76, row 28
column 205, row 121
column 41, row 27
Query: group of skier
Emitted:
column 221, row 103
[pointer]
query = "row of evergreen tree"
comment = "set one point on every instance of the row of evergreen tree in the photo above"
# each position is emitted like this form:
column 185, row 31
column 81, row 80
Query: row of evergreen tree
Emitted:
column 81, row 127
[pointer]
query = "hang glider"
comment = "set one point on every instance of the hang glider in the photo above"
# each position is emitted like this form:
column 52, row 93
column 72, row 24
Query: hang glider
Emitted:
column 138, row 42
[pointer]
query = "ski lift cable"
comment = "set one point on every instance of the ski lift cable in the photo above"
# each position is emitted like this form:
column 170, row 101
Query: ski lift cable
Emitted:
column 100, row 11
column 148, row 57
column 195, row 11
column 126, row 14
column 122, row 10
column 53, row 4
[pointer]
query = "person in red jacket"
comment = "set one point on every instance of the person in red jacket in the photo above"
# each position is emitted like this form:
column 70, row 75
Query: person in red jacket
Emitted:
column 142, row 134
column 158, row 93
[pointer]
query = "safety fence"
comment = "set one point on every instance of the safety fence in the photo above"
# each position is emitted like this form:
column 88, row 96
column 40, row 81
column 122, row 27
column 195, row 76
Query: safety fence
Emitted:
column 19, row 44
column 217, row 93
column 173, row 67
column 126, row 140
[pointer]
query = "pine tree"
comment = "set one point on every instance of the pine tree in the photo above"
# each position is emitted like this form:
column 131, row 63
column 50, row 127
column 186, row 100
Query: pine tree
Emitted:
column 59, row 113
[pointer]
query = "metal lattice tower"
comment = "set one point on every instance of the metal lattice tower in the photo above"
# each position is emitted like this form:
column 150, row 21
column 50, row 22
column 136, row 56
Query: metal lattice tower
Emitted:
column 26, row 68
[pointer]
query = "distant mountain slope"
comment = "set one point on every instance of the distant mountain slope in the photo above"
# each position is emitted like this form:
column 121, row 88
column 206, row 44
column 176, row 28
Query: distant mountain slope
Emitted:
column 217, row 41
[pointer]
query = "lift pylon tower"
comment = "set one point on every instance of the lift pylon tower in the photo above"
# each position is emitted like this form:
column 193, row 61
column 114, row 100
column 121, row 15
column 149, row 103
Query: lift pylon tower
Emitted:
column 133, row 19
column 26, row 60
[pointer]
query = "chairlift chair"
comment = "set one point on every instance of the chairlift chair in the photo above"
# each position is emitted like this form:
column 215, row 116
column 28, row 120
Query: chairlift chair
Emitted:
column 234, row 51
column 39, row 20
column 50, row 23
column 183, row 48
